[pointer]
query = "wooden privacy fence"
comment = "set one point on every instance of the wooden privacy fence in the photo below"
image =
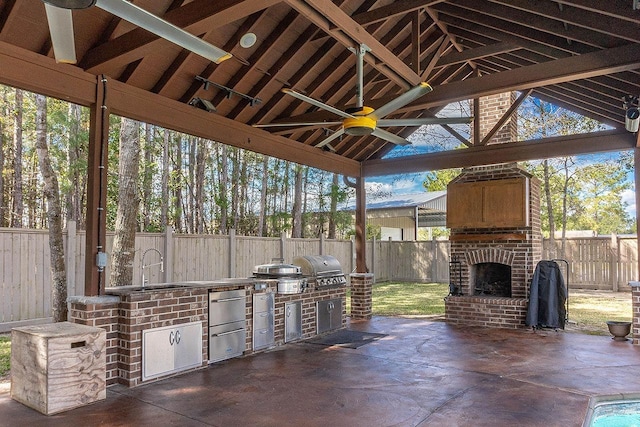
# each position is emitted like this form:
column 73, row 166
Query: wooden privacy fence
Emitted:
column 25, row 277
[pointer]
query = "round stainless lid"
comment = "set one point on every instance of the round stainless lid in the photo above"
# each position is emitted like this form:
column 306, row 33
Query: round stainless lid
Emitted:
column 277, row 270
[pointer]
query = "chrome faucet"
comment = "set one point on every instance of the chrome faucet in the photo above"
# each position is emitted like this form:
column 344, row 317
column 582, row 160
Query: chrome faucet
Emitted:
column 144, row 280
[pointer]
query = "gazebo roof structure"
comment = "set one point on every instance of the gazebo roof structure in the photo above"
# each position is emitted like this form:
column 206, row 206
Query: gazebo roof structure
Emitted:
column 583, row 55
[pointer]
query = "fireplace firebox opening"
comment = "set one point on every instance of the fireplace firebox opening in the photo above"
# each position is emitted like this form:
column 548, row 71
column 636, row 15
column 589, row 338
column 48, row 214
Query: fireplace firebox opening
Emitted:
column 491, row 279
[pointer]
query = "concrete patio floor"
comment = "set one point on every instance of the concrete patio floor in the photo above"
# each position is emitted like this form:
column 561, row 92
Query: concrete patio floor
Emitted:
column 423, row 373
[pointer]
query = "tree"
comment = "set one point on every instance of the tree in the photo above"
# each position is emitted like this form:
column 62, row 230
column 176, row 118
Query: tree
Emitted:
column 128, row 201
column 18, row 208
column 438, row 180
column 296, row 230
column 54, row 215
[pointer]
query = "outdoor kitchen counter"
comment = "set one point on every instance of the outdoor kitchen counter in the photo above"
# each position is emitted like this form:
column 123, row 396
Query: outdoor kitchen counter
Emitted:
column 208, row 284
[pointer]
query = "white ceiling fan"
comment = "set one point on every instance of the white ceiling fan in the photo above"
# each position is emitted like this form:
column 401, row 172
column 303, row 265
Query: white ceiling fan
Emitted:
column 363, row 120
column 60, row 20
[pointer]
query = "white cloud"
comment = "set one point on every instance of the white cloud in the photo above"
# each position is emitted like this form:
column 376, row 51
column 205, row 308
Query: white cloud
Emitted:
column 629, row 197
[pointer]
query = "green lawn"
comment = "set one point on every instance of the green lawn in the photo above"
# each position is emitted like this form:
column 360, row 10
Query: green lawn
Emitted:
column 392, row 299
column 5, row 354
column 588, row 310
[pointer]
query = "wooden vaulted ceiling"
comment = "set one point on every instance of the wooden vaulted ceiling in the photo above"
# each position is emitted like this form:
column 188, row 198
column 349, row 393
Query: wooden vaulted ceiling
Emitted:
column 583, row 55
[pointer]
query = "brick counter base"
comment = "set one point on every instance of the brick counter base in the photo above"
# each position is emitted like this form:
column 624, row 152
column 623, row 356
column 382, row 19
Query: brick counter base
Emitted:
column 635, row 309
column 492, row 312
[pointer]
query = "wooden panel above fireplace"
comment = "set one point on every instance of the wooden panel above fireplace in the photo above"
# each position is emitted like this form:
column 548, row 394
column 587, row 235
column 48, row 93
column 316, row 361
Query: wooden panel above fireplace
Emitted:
column 488, row 204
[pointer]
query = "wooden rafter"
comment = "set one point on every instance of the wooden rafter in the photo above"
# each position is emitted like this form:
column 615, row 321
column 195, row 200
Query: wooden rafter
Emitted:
column 597, row 142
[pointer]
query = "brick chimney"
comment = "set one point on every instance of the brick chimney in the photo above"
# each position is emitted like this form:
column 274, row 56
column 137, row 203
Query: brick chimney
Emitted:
column 492, row 108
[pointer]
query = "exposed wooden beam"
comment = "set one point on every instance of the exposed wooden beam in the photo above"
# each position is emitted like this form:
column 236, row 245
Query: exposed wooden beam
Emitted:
column 619, row 10
column 333, row 20
column 592, row 21
column 36, row 73
column 475, row 54
column 597, row 142
column 398, row 7
column 138, row 104
column 197, row 17
column 512, row 109
column 522, row 23
column 598, row 63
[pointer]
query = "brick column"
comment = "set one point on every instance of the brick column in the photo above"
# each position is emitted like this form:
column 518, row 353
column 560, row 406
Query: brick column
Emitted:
column 635, row 310
column 101, row 312
column 361, row 295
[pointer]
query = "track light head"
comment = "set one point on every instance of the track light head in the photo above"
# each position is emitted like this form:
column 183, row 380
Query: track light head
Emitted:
column 203, row 104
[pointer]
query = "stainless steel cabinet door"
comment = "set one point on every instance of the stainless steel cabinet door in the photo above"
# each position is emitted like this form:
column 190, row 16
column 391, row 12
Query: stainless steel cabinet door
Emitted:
column 292, row 321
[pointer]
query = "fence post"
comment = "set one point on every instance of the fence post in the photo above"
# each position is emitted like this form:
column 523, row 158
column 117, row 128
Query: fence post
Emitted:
column 168, row 254
column 283, row 244
column 615, row 261
column 71, row 258
column 321, row 243
column 434, row 266
column 232, row 252
column 373, row 258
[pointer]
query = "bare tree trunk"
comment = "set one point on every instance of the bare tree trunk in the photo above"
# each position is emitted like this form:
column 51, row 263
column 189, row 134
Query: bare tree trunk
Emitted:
column 334, row 207
column 75, row 154
column 296, row 229
column 147, row 177
column 222, row 194
column 191, row 185
column 128, row 201
column 54, row 215
column 17, row 211
column 177, row 185
column 164, row 208
column 2, row 203
column 199, row 199
column 262, row 218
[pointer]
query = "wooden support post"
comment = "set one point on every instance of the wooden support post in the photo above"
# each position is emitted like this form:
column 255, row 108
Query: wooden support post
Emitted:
column 361, row 227
column 636, row 177
column 94, row 276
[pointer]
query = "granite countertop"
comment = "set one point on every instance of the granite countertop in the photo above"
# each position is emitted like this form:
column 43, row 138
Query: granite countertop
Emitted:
column 209, row 284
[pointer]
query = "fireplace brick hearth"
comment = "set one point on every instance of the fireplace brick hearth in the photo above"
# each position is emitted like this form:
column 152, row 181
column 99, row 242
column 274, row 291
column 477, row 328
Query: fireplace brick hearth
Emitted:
column 518, row 247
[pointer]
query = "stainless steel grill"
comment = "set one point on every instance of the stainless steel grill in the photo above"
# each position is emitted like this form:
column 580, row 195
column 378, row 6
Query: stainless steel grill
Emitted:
column 324, row 270
column 289, row 277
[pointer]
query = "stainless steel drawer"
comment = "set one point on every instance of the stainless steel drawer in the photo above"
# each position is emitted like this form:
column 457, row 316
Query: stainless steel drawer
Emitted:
column 226, row 341
column 263, row 338
column 263, row 320
column 263, row 302
column 226, row 307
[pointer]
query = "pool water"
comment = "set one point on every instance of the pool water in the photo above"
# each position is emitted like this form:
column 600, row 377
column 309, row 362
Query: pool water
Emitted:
column 616, row 414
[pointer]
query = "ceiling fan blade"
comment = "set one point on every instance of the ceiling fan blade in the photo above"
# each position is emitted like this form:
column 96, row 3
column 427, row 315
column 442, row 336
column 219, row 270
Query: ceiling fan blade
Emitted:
column 316, row 103
column 424, row 121
column 150, row 22
column 292, row 124
column 61, row 28
column 388, row 136
column 402, row 100
column 337, row 134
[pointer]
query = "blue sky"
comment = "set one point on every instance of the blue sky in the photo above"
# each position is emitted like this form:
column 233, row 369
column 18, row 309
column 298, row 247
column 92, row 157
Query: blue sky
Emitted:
column 435, row 138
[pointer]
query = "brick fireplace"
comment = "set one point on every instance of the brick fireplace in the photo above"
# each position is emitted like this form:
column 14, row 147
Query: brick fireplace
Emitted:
column 496, row 242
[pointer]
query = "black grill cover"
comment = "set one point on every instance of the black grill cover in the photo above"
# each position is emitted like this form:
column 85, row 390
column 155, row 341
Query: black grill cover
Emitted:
column 548, row 296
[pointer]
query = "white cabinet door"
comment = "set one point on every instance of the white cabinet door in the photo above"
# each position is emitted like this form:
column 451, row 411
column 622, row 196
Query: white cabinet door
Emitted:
column 188, row 346
column 157, row 352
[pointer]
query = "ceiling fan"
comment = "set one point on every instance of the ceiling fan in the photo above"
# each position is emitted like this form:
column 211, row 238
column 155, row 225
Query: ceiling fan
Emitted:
column 363, row 120
column 60, row 20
